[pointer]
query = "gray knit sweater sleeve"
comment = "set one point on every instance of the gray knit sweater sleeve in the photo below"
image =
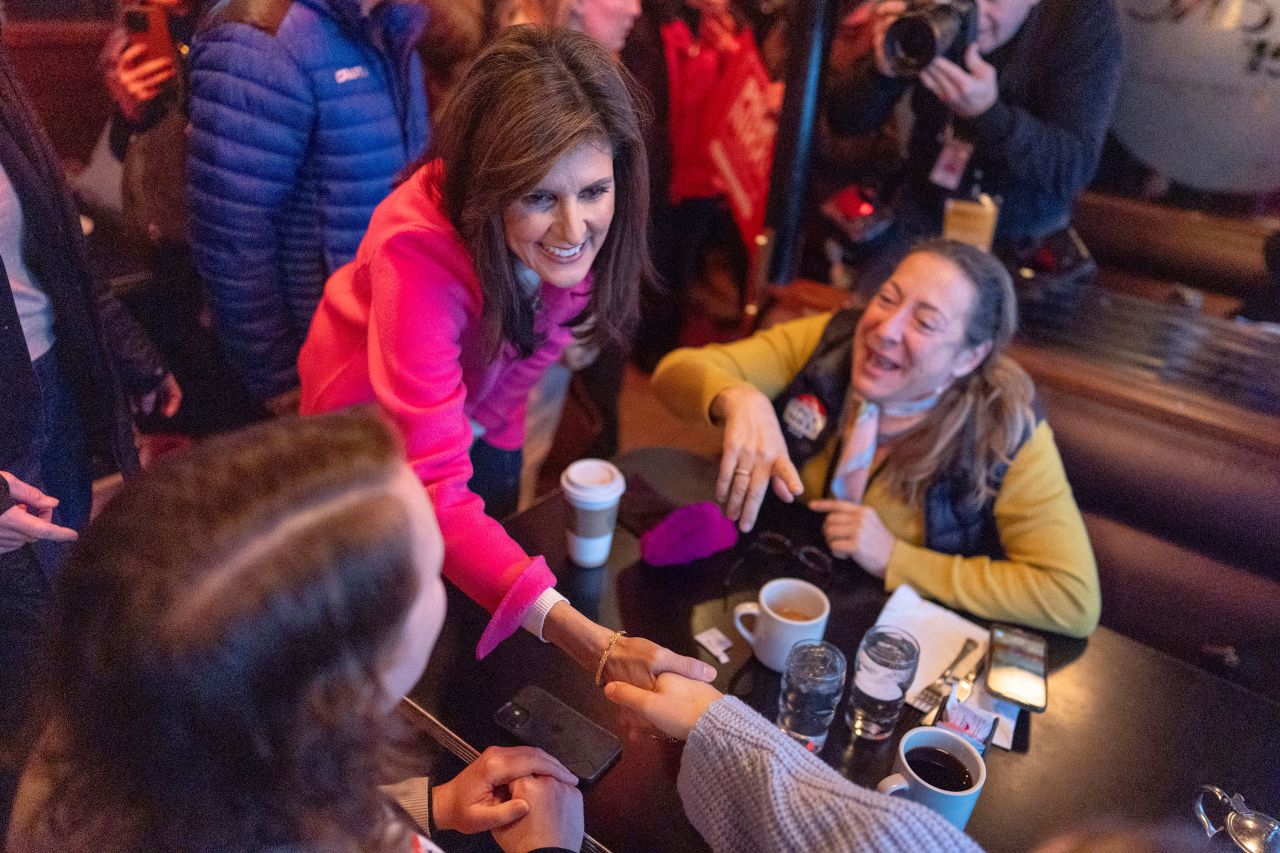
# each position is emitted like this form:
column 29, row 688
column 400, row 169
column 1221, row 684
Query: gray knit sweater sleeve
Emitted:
column 746, row 786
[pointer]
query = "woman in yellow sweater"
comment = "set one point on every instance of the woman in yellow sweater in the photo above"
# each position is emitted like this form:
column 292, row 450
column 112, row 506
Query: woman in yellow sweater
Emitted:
column 918, row 434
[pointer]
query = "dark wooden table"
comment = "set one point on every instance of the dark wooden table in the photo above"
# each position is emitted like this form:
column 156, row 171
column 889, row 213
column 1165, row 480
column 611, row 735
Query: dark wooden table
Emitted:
column 1129, row 732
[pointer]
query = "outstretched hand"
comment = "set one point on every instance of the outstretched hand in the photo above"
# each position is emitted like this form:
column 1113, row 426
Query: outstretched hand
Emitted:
column 638, row 661
column 471, row 801
column 754, row 455
column 673, row 706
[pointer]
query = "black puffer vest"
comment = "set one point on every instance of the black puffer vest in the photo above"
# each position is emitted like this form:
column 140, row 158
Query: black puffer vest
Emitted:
column 809, row 411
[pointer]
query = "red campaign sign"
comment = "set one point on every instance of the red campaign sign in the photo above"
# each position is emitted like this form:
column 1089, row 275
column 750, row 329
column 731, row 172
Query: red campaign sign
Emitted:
column 743, row 124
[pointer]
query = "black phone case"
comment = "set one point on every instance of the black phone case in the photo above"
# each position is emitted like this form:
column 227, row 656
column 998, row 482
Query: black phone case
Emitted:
column 537, row 718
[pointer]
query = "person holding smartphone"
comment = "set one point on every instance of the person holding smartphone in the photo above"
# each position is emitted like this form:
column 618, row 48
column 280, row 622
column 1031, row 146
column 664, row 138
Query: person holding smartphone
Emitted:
column 146, row 64
column 229, row 644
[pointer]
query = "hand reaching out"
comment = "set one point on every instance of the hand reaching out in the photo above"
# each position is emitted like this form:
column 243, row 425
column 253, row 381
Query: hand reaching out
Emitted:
column 673, row 706
column 754, row 455
column 638, row 661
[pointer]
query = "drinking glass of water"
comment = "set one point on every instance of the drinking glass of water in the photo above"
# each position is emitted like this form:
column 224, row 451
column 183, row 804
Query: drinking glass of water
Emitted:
column 882, row 672
column 812, row 682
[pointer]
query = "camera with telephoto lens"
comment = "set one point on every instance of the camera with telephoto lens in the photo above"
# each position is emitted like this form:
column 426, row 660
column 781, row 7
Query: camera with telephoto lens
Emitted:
column 929, row 29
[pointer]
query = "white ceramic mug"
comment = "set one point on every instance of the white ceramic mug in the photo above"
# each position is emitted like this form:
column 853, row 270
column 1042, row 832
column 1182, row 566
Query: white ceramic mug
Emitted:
column 955, row 806
column 789, row 610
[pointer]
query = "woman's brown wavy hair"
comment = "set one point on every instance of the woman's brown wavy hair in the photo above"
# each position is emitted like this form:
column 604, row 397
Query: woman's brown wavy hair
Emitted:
column 983, row 417
column 533, row 96
column 217, row 639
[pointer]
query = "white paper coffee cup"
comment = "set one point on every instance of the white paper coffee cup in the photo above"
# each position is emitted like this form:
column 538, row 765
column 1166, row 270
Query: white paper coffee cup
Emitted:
column 592, row 488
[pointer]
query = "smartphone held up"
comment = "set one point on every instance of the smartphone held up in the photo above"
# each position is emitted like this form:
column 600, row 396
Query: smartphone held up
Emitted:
column 147, row 24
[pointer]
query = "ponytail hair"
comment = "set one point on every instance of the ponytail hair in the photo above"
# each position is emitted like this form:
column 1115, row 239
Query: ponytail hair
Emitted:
column 983, row 417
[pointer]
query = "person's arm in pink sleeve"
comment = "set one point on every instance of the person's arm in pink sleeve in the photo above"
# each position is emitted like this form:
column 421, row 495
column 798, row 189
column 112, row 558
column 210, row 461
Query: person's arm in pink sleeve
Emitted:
column 420, row 303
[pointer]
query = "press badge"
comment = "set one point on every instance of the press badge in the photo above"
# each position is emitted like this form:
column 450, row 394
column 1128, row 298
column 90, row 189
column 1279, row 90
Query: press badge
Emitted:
column 953, row 159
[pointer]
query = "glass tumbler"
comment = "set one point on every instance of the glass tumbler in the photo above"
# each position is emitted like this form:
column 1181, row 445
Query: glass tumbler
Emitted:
column 812, row 682
column 882, row 672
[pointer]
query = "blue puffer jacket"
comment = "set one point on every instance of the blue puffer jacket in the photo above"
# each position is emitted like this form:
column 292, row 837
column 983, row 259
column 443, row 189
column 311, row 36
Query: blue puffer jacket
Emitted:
column 302, row 114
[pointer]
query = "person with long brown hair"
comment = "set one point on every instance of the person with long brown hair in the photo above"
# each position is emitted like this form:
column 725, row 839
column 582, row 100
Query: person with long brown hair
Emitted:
column 529, row 224
column 227, row 647
column 916, row 433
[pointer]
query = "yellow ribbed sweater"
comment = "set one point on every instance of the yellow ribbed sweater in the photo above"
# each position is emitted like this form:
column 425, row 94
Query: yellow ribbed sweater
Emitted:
column 1050, row 579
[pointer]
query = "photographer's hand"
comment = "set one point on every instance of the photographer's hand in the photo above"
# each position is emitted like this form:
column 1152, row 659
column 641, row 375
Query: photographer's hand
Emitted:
column 886, row 12
column 970, row 93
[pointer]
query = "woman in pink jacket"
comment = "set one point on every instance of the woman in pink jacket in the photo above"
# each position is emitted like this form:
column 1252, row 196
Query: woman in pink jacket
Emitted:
column 470, row 282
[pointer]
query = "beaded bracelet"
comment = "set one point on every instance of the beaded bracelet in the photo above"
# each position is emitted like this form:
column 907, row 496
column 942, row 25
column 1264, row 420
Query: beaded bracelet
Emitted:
column 604, row 658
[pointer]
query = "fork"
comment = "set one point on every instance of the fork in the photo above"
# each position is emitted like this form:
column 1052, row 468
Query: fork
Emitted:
column 933, row 695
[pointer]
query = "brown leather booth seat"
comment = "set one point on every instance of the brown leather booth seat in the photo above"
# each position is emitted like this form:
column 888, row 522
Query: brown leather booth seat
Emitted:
column 1186, row 530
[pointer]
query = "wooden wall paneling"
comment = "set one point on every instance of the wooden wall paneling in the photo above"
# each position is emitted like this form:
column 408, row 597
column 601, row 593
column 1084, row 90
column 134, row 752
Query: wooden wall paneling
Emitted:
column 58, row 64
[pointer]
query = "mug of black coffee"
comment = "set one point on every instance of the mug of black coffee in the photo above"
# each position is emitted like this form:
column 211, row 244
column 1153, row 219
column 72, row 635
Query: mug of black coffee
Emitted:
column 938, row 769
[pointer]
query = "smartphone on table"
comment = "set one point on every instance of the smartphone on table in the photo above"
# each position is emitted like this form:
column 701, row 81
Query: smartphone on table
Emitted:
column 1016, row 667
column 148, row 25
column 536, row 718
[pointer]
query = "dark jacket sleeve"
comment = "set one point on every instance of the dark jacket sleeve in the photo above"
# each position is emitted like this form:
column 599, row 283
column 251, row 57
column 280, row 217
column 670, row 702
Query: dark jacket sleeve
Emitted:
column 862, row 100
column 139, row 365
column 1059, row 153
column 251, row 120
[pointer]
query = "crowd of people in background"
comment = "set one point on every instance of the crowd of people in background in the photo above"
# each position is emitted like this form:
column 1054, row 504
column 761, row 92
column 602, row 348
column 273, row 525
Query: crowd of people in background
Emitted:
column 394, row 230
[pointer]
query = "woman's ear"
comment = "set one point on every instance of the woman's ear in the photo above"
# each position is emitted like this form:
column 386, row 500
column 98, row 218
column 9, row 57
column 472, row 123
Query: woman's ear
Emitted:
column 968, row 359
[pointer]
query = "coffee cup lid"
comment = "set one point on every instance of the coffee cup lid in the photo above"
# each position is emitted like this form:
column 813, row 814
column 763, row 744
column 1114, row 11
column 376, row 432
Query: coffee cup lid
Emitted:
column 593, row 481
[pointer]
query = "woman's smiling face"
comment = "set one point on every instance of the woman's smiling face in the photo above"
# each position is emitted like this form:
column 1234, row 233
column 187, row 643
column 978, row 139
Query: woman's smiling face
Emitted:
column 557, row 228
column 910, row 342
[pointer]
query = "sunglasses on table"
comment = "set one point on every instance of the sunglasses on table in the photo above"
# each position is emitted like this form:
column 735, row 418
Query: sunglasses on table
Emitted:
column 780, row 550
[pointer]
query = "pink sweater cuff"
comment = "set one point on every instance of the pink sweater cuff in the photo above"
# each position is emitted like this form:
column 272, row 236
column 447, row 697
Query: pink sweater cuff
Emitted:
column 535, row 578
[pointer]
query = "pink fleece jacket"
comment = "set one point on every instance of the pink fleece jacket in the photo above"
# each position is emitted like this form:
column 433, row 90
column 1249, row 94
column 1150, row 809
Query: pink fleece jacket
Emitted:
column 401, row 325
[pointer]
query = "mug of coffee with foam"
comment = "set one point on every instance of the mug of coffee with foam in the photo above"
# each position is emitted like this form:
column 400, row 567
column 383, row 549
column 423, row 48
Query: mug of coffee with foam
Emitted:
column 789, row 610
column 938, row 769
